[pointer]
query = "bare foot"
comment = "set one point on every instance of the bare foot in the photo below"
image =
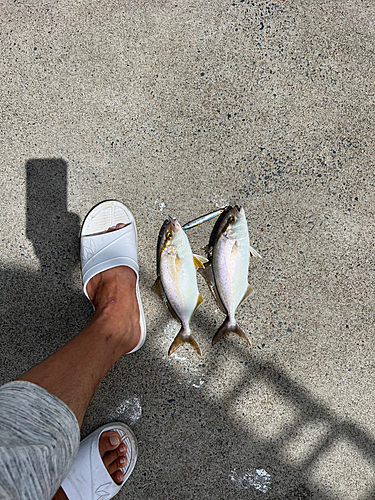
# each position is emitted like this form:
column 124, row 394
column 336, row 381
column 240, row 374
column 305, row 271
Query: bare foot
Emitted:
column 113, row 453
column 113, row 293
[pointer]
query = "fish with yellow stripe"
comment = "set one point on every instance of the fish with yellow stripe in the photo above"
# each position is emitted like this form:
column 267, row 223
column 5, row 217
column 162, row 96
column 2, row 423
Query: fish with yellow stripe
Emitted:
column 229, row 253
column 177, row 279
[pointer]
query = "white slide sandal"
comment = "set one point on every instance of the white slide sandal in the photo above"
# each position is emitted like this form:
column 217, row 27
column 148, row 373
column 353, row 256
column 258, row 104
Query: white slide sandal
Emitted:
column 88, row 479
column 101, row 250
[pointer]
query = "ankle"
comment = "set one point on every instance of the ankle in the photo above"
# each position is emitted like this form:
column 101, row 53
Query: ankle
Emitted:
column 113, row 294
column 121, row 329
column 109, row 289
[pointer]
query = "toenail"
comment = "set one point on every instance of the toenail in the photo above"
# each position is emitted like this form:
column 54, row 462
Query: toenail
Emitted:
column 114, row 440
column 122, row 448
column 122, row 460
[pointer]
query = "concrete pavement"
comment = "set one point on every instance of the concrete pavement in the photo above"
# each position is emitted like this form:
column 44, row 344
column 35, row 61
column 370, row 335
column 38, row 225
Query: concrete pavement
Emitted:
column 180, row 107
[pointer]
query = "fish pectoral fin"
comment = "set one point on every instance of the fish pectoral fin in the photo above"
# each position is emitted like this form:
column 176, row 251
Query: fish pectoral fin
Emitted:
column 249, row 292
column 157, row 287
column 178, row 263
column 236, row 249
column 254, row 253
column 199, row 261
column 199, row 302
column 182, row 338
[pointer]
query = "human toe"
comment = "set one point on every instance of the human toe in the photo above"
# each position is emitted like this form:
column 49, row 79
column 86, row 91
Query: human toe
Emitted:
column 111, row 456
column 120, row 225
column 118, row 477
column 117, row 464
column 109, row 441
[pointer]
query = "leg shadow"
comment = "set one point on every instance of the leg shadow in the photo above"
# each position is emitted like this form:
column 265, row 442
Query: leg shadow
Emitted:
column 52, row 230
column 40, row 310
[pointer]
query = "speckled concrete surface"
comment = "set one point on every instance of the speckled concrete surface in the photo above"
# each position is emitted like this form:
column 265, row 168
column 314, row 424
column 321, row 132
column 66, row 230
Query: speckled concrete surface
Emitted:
column 180, row 107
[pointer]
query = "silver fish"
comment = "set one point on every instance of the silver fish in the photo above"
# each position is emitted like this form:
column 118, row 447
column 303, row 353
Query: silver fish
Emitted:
column 229, row 252
column 202, row 219
column 177, row 279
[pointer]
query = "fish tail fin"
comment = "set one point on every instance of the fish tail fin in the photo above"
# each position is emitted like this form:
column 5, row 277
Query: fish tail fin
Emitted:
column 226, row 328
column 181, row 338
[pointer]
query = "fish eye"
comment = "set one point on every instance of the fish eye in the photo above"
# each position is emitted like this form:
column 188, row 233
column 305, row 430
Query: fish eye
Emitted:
column 169, row 236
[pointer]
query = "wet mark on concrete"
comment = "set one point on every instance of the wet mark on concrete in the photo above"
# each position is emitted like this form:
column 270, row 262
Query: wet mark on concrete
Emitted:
column 259, row 480
column 161, row 205
column 130, row 411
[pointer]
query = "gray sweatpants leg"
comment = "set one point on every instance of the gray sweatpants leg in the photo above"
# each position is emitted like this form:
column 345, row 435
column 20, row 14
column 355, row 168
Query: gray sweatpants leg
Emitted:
column 39, row 440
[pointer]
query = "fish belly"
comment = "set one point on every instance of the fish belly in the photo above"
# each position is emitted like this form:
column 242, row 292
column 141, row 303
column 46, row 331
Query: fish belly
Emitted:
column 230, row 266
column 179, row 281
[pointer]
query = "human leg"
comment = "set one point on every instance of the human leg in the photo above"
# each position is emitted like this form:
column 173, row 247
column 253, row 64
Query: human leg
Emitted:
column 74, row 372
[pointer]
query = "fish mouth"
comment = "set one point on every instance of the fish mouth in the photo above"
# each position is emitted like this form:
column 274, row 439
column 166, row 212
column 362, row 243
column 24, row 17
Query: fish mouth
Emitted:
column 239, row 211
column 171, row 220
column 174, row 224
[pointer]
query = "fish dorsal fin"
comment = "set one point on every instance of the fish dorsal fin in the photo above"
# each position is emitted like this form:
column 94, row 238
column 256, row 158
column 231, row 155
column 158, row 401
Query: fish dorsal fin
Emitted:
column 199, row 261
column 249, row 292
column 199, row 302
column 254, row 253
column 157, row 288
column 206, row 272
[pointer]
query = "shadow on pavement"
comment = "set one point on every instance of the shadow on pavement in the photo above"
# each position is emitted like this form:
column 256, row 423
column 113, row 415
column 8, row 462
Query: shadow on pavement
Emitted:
column 194, row 442
column 39, row 310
